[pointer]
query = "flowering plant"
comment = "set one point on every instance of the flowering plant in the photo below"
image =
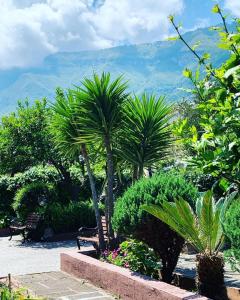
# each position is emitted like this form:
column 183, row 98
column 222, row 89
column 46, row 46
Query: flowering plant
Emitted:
column 136, row 256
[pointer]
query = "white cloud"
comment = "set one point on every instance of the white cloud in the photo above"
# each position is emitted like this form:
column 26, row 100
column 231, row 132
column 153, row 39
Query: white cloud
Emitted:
column 233, row 6
column 32, row 29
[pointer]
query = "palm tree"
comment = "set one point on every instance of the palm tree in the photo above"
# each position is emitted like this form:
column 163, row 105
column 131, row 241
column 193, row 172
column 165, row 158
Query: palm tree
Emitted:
column 204, row 231
column 102, row 114
column 146, row 134
column 66, row 132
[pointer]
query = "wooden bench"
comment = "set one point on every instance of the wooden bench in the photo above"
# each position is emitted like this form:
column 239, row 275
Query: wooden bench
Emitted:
column 91, row 235
column 30, row 225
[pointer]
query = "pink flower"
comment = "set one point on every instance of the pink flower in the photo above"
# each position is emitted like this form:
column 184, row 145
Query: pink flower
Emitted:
column 126, row 265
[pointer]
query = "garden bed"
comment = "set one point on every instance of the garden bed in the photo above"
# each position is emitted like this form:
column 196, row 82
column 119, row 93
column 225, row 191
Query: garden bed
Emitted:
column 120, row 281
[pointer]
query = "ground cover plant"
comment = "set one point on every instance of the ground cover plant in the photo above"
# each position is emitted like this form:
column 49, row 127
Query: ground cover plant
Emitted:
column 136, row 256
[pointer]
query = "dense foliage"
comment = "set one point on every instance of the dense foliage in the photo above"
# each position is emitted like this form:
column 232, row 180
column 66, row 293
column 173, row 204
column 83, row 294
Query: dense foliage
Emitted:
column 69, row 217
column 136, row 256
column 211, row 131
column 130, row 219
column 146, row 137
column 163, row 186
column 232, row 231
column 32, row 196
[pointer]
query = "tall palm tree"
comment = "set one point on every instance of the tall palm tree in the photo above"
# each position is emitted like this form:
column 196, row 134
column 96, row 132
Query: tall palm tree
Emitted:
column 66, row 132
column 102, row 114
column 204, row 231
column 146, row 134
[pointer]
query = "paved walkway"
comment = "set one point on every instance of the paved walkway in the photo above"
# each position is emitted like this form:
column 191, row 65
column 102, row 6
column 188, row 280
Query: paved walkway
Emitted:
column 17, row 258
column 59, row 285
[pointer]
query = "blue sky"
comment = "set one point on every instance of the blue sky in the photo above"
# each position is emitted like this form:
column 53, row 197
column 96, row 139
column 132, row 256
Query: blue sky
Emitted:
column 198, row 13
column 30, row 30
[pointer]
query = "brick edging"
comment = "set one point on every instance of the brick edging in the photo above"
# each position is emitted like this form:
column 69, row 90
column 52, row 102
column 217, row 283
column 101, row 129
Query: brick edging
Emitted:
column 120, row 281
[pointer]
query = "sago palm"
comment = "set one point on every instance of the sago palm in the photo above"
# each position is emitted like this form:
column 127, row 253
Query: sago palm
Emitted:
column 146, row 135
column 204, row 231
column 102, row 110
column 66, row 132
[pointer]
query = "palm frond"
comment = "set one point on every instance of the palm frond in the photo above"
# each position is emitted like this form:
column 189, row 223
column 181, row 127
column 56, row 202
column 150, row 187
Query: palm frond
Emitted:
column 203, row 229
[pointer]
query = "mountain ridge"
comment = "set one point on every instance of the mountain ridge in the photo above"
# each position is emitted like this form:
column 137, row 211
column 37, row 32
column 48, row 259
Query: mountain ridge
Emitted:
column 152, row 67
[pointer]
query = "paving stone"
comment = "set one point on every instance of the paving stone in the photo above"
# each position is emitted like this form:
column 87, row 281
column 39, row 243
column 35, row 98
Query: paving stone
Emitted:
column 59, row 285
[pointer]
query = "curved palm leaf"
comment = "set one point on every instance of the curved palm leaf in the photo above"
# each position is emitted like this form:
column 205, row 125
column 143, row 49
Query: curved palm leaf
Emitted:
column 203, row 230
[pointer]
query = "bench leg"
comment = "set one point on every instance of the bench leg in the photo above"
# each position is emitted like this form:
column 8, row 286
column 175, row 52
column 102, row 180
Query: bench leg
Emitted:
column 24, row 236
column 78, row 244
column 11, row 234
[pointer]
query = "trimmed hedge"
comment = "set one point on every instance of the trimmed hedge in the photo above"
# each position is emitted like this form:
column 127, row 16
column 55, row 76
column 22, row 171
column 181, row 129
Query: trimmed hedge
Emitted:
column 163, row 186
column 130, row 220
column 70, row 217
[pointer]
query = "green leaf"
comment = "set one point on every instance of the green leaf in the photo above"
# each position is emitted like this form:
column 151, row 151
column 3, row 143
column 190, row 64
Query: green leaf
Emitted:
column 173, row 38
column 216, row 9
column 187, row 73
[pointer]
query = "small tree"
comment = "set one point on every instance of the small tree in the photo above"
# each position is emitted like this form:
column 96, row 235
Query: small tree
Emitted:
column 101, row 105
column 214, row 139
column 146, row 135
column 66, row 133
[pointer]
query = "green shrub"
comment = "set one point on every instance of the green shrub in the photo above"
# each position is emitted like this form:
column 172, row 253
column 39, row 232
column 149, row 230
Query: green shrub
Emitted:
column 70, row 217
column 232, row 231
column 9, row 185
column 130, row 220
column 80, row 187
column 32, row 196
column 136, row 256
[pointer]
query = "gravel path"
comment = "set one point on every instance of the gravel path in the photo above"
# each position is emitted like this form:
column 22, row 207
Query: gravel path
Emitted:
column 17, row 258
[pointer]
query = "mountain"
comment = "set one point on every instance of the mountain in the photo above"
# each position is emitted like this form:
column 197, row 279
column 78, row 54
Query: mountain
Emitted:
column 156, row 67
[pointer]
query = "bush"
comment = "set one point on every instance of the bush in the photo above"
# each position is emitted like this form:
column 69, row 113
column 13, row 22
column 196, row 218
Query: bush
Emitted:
column 232, row 231
column 9, row 185
column 79, row 189
column 130, row 220
column 136, row 256
column 70, row 217
column 32, row 196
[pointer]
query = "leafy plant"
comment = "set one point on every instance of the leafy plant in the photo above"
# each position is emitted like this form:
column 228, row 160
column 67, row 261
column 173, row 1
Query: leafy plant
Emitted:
column 146, row 135
column 213, row 139
column 69, row 218
column 130, row 220
column 203, row 230
column 232, row 231
column 14, row 294
column 32, row 196
column 136, row 256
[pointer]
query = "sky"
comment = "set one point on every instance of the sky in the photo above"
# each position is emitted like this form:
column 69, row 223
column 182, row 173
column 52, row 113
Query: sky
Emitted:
column 30, row 30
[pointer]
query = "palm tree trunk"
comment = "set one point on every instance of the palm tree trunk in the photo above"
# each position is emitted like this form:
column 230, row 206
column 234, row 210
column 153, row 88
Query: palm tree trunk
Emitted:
column 140, row 171
column 135, row 173
column 110, row 178
column 210, row 276
column 95, row 198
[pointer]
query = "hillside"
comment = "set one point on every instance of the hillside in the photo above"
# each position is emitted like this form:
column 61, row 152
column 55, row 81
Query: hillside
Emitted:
column 155, row 67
